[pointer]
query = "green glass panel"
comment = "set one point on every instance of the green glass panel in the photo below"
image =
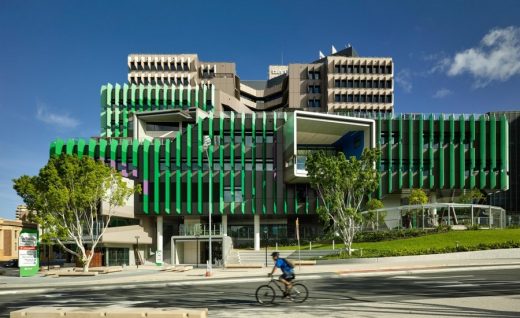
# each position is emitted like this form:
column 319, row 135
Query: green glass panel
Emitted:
column 133, row 90
column 167, row 176
column 410, row 153
column 146, row 183
column 504, row 153
column 70, row 146
column 452, row 152
column 157, row 90
column 210, row 161
column 189, row 176
column 441, row 151
column 102, row 149
column 431, row 177
column 483, row 147
column 124, row 154
column 135, row 157
column 199, row 163
column 204, row 96
column 472, row 151
column 92, row 148
column 400, row 149
column 275, row 129
column 113, row 153
column 141, row 97
column 264, row 159
column 492, row 151
column 125, row 95
column 232, row 161
column 420, row 152
column 462, row 152
column 178, row 172
column 156, row 175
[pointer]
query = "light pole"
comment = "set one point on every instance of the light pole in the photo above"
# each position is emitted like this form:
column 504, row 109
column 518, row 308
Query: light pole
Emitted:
column 266, row 239
column 205, row 146
column 137, row 261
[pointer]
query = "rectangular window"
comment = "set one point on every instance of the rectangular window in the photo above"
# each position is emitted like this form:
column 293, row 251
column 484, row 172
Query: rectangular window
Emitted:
column 343, row 69
column 388, row 69
column 344, row 98
column 356, row 69
column 356, row 98
column 337, row 83
column 337, row 68
column 363, row 84
column 350, row 98
column 350, row 69
column 376, row 84
column 382, row 84
column 337, row 98
column 388, row 84
column 350, row 83
column 369, row 84
column 362, row 99
column 376, row 99
column 388, row 98
column 356, row 84
column 369, row 98
column 369, row 69
column 363, row 69
column 343, row 83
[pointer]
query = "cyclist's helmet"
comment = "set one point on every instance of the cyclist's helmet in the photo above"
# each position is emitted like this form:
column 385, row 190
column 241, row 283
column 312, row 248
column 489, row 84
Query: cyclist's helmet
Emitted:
column 273, row 254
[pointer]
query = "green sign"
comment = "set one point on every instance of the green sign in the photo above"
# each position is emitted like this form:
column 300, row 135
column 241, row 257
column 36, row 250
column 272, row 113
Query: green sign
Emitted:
column 28, row 258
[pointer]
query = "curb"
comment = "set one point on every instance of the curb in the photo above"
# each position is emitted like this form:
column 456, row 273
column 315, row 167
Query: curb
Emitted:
column 253, row 279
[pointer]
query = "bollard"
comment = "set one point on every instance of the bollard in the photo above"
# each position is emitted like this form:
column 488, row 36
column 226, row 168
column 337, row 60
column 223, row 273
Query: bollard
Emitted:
column 276, row 246
column 333, row 246
column 310, row 246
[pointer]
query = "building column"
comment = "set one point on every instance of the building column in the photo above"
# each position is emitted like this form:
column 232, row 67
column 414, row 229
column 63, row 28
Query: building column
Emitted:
column 224, row 224
column 257, row 231
column 433, row 211
column 160, row 245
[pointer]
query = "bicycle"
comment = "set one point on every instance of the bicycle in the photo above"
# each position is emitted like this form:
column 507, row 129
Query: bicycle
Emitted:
column 265, row 294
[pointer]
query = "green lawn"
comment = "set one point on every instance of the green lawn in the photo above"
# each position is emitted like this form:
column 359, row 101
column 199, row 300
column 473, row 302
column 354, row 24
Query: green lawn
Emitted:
column 451, row 241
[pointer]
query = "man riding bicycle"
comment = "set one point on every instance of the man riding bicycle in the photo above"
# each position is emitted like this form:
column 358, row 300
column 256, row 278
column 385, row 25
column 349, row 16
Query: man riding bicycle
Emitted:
column 287, row 272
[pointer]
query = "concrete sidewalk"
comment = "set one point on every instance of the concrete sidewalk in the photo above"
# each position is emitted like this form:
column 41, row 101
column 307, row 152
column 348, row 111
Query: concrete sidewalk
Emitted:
column 131, row 277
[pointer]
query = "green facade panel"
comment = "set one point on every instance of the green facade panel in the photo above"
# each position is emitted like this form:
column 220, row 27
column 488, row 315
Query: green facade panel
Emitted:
column 156, row 174
column 492, row 151
column 483, row 146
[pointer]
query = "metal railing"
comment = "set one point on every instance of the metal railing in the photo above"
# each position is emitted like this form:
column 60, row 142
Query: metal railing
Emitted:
column 199, row 229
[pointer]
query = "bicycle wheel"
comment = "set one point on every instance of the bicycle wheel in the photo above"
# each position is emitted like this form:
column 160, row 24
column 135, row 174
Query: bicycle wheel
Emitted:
column 265, row 294
column 299, row 293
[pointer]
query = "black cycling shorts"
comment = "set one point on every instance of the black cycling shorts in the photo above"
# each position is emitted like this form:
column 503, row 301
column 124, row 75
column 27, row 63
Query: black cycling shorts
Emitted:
column 287, row 276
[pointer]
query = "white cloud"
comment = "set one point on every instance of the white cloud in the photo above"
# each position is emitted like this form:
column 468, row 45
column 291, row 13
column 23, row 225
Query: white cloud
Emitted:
column 496, row 58
column 44, row 115
column 441, row 93
column 404, row 79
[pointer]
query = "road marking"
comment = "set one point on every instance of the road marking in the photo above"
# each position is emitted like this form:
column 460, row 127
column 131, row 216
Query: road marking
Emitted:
column 459, row 285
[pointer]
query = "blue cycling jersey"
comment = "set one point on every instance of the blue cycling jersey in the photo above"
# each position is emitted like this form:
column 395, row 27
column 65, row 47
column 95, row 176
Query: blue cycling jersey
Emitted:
column 284, row 266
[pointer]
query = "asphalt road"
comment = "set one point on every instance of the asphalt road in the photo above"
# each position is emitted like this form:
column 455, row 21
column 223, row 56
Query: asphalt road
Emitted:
column 489, row 293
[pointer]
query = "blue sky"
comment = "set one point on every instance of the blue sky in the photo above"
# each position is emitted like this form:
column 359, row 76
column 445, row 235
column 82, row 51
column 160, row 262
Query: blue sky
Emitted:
column 450, row 56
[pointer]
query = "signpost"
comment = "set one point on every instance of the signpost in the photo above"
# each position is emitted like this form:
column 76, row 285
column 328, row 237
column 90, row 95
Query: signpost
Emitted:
column 28, row 255
column 298, row 239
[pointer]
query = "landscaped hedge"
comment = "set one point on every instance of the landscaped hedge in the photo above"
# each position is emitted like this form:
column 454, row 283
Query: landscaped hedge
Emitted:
column 433, row 250
column 396, row 234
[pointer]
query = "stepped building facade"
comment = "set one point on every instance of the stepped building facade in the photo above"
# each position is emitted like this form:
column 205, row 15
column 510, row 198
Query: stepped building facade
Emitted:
column 201, row 141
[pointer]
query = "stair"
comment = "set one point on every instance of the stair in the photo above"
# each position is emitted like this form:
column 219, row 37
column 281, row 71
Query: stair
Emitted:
column 237, row 256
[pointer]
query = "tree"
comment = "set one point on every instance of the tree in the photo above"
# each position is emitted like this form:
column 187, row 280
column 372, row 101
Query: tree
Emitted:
column 371, row 216
column 342, row 184
column 67, row 197
column 417, row 196
column 473, row 196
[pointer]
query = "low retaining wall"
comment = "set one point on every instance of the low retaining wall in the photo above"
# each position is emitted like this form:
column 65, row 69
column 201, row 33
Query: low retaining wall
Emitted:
column 78, row 312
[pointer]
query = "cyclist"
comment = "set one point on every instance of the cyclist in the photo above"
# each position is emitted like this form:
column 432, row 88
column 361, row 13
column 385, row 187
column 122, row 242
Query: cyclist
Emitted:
column 287, row 272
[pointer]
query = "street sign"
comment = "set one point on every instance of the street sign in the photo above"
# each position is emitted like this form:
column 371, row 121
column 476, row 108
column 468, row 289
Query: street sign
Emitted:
column 28, row 255
column 158, row 257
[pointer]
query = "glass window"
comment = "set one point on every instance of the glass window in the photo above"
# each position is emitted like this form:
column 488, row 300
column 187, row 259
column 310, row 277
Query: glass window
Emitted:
column 369, row 84
column 337, row 68
column 350, row 98
column 349, row 69
column 388, row 84
column 376, row 84
column 363, row 84
column 381, row 69
column 343, row 69
column 344, row 98
column 356, row 84
column 388, row 69
column 343, row 83
column 362, row 98
column 388, row 98
column 356, row 98
column 337, row 83
column 356, row 69
column 363, row 69
column 350, row 83
column 337, row 98
column 369, row 69
column 369, row 98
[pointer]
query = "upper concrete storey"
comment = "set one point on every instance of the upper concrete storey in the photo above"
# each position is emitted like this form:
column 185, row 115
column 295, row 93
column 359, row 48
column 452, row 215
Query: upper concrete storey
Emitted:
column 341, row 81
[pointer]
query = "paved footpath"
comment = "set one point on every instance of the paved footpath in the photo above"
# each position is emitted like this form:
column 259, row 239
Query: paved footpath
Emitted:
column 151, row 276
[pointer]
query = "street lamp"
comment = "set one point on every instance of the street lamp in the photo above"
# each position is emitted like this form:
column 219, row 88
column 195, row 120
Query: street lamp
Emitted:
column 138, row 255
column 266, row 239
column 206, row 144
